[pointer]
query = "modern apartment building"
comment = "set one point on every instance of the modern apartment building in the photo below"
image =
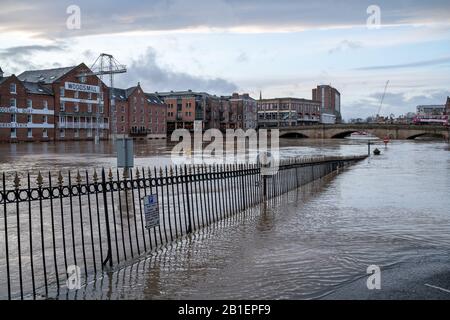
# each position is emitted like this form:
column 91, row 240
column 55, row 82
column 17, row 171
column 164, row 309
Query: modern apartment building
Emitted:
column 284, row 112
column 185, row 109
column 330, row 100
column 80, row 101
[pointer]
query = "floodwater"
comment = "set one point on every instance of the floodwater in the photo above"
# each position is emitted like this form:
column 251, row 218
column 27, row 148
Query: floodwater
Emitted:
column 387, row 210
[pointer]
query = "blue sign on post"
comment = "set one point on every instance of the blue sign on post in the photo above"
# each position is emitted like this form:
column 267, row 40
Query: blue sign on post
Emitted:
column 151, row 210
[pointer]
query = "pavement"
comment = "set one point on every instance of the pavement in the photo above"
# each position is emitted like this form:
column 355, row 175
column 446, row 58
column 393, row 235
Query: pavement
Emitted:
column 423, row 279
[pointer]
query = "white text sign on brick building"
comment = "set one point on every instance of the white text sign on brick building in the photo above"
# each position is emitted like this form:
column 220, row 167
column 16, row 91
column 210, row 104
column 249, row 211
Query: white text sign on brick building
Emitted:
column 82, row 87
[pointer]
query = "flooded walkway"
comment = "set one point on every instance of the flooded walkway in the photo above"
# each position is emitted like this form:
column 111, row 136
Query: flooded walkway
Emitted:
column 314, row 242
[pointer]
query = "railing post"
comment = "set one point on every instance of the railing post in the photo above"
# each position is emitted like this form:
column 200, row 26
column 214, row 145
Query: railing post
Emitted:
column 108, row 231
column 187, row 199
column 264, row 179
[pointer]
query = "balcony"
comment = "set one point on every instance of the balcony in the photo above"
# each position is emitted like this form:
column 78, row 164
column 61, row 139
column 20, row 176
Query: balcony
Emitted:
column 82, row 125
column 138, row 131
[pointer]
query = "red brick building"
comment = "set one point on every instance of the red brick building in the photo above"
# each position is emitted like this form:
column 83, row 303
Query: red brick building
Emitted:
column 157, row 116
column 81, row 103
column 330, row 100
column 138, row 114
column 238, row 112
column 26, row 111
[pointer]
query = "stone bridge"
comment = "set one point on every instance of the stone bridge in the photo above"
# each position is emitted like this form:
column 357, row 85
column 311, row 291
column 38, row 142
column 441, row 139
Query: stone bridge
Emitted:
column 393, row 131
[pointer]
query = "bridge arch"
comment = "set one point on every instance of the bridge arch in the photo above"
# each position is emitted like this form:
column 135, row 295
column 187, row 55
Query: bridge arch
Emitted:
column 427, row 134
column 344, row 133
column 293, row 135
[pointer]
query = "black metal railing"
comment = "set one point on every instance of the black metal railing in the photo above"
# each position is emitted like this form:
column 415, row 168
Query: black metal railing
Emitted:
column 97, row 222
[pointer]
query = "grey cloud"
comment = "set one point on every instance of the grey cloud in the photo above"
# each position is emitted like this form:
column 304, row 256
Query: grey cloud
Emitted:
column 242, row 57
column 17, row 58
column 22, row 51
column 154, row 77
column 345, row 45
column 424, row 63
column 48, row 17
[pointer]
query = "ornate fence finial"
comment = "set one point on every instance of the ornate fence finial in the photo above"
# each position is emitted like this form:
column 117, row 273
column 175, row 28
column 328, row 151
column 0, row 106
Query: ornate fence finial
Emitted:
column 138, row 175
column 40, row 180
column 149, row 172
column 161, row 173
column 95, row 176
column 171, row 171
column 16, row 181
column 110, row 175
column 60, row 179
column 78, row 178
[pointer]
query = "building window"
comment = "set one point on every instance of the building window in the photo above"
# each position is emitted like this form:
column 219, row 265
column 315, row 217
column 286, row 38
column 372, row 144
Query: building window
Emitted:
column 13, row 88
column 90, row 108
column 30, row 133
column 90, row 95
column 62, row 133
column 83, row 79
column 12, row 102
column 89, row 133
column 13, row 133
column 30, row 118
column 13, row 118
column 76, row 133
column 45, row 133
column 45, row 103
column 29, row 103
column 44, row 119
column 123, row 109
column 63, row 106
column 77, row 107
column 76, row 95
column 61, row 91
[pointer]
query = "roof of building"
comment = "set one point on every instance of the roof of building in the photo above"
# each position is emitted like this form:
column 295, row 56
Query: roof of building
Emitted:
column 3, row 79
column 153, row 98
column 37, row 88
column 119, row 94
column 182, row 93
column 47, row 76
column 291, row 98
column 130, row 91
column 434, row 106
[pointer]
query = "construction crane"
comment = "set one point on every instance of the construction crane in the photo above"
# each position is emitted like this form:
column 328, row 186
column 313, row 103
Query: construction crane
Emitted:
column 106, row 65
column 382, row 98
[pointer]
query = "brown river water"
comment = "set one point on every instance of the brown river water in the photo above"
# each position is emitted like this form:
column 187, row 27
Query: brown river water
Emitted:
column 385, row 210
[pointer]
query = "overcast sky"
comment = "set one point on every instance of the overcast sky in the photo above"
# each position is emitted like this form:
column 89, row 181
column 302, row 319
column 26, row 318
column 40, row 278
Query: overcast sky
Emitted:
column 282, row 48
